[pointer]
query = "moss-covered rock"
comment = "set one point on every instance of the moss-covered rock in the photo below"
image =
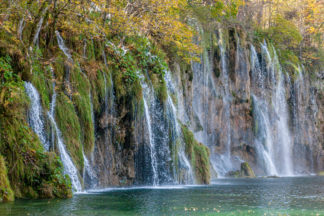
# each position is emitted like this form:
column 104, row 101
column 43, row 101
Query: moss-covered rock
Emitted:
column 69, row 124
column 6, row 193
column 81, row 100
column 246, row 170
column 29, row 168
column 198, row 155
column 320, row 173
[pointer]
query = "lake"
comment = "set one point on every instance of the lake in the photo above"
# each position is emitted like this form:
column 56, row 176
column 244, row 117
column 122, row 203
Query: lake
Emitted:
column 260, row 196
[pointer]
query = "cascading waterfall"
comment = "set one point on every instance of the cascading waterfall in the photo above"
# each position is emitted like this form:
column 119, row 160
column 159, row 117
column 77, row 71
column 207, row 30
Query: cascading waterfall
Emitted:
column 36, row 123
column 89, row 175
column 62, row 46
column 21, row 28
column 35, row 114
column 146, row 96
column 226, row 161
column 274, row 149
column 157, row 129
column 302, row 103
column 263, row 142
column 66, row 52
column 263, row 133
column 205, row 109
column 69, row 167
column 39, row 26
column 214, row 100
column 284, row 136
column 176, row 131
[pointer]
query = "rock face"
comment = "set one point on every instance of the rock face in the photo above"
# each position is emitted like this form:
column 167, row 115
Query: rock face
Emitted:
column 237, row 113
column 251, row 114
column 246, row 170
column 244, row 106
column 6, row 193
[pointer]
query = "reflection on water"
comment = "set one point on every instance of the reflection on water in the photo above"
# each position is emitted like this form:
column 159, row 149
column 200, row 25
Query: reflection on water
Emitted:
column 293, row 196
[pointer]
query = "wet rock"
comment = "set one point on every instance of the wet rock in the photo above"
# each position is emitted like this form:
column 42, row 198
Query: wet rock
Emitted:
column 246, row 170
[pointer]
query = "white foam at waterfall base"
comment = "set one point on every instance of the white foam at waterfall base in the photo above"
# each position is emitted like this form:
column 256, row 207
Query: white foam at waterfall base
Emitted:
column 35, row 114
column 88, row 171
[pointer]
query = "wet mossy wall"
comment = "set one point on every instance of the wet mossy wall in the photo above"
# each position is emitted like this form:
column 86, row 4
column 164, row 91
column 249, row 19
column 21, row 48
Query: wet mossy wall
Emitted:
column 32, row 173
column 198, row 155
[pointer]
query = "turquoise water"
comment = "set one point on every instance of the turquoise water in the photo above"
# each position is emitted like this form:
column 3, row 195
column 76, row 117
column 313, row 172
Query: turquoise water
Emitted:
column 262, row 196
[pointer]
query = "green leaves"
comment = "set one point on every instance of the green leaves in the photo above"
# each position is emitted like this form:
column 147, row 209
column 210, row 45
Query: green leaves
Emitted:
column 5, row 69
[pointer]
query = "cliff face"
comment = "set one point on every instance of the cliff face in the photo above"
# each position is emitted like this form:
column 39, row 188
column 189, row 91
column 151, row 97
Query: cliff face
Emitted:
column 119, row 115
column 245, row 106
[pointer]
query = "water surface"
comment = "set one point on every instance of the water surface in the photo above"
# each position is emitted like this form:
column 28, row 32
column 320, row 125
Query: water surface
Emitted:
column 262, row 196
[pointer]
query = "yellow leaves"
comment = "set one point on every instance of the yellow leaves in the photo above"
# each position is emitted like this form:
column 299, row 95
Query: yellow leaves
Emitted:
column 160, row 20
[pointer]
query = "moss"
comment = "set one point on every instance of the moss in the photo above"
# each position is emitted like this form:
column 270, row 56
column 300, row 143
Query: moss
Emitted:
column 68, row 122
column 246, row 170
column 6, row 193
column 82, row 103
column 59, row 68
column 321, row 173
column 90, row 50
column 160, row 87
column 198, row 155
column 28, row 166
column 234, row 174
column 97, row 89
column 41, row 79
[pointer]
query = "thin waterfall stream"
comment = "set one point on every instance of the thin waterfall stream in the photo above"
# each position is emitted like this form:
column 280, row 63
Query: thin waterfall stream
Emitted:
column 69, row 167
column 35, row 114
column 147, row 96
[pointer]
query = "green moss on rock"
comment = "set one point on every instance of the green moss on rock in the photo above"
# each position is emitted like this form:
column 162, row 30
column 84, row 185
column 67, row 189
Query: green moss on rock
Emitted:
column 321, row 173
column 41, row 78
column 29, row 168
column 6, row 193
column 81, row 100
column 198, row 155
column 69, row 124
column 246, row 170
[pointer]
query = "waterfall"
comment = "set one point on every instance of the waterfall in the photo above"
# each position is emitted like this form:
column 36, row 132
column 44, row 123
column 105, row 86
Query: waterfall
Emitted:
column 39, row 26
column 264, row 137
column 68, row 88
column 263, row 141
column 183, row 160
column 62, row 46
column 89, row 175
column 35, row 114
column 147, row 96
column 158, row 135
column 21, row 28
column 68, row 165
column 226, row 156
column 273, row 139
column 284, row 137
